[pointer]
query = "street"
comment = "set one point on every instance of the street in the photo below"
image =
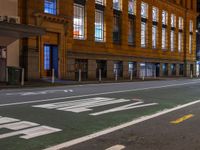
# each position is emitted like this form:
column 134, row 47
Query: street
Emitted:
column 147, row 115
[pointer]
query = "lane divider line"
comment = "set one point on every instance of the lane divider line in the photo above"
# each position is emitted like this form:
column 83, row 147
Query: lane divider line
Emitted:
column 96, row 94
column 116, row 147
column 119, row 127
column 182, row 119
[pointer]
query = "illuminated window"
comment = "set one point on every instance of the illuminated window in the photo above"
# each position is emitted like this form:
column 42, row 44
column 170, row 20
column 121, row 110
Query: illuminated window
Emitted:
column 173, row 20
column 79, row 21
column 46, row 57
column 117, row 4
column 164, row 35
column 164, row 17
column 154, row 36
column 144, row 10
column 50, row 7
column 143, row 34
column 191, row 26
column 155, row 14
column 101, row 2
column 172, row 38
column 180, row 23
column 132, row 7
column 99, row 25
column 180, row 41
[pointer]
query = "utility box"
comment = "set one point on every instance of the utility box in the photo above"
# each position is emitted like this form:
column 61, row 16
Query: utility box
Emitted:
column 14, row 75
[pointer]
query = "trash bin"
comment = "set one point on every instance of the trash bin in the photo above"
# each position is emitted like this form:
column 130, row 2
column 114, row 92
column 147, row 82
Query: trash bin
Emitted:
column 14, row 75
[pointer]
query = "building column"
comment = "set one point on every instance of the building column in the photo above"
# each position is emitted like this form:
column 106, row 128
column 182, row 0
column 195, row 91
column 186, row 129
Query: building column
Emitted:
column 177, row 69
column 70, row 68
column 138, row 69
column 110, row 66
column 92, row 65
column 169, row 69
column 125, row 70
column 161, row 70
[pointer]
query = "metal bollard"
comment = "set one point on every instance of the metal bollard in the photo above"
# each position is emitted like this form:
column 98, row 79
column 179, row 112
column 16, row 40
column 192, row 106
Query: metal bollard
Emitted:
column 100, row 75
column 22, row 79
column 53, row 76
column 116, row 75
column 79, row 75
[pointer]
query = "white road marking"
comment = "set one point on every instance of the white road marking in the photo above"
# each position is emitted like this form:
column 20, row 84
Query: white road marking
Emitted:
column 116, row 147
column 121, row 108
column 27, row 129
column 19, row 125
column 110, row 130
column 31, row 133
column 7, row 120
column 39, row 92
column 96, row 94
column 83, row 105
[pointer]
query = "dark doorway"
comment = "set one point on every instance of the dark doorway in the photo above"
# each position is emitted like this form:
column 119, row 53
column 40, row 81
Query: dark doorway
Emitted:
column 157, row 70
column 2, row 64
column 50, row 60
column 101, row 64
column 82, row 65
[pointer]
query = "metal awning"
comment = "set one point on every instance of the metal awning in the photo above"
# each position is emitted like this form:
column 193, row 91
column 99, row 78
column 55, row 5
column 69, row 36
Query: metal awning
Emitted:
column 10, row 32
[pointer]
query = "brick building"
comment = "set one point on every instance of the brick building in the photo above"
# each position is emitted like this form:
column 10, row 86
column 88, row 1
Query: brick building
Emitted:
column 123, row 37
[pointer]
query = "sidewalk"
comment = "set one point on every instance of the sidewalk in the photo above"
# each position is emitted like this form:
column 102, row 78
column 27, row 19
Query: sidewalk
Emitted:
column 48, row 82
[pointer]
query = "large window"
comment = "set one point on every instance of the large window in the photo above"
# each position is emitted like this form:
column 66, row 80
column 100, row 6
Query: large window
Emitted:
column 173, row 20
column 180, row 23
column 190, row 36
column 143, row 34
column 154, row 36
column 132, row 6
column 172, row 38
column 164, row 35
column 164, row 17
column 99, row 25
column 50, row 7
column 155, row 14
column 79, row 21
column 101, row 2
column 131, row 32
column 116, row 29
column 144, row 10
column 180, row 41
column 117, row 4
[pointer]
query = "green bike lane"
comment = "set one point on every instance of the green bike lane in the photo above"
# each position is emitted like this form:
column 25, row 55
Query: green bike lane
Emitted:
column 73, row 124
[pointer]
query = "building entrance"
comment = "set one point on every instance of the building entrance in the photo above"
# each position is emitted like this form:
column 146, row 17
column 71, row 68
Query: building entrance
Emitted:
column 50, row 60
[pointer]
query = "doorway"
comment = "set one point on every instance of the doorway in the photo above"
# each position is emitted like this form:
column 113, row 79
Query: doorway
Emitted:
column 50, row 60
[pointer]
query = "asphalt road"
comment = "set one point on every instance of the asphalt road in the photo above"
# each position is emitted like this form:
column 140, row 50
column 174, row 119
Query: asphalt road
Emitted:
column 154, row 134
column 99, row 116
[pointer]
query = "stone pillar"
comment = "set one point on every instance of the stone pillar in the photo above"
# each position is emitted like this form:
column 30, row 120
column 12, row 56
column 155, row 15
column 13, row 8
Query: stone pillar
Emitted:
column 138, row 69
column 177, row 69
column 161, row 70
column 110, row 67
column 125, row 70
column 169, row 70
column 70, row 69
column 92, row 66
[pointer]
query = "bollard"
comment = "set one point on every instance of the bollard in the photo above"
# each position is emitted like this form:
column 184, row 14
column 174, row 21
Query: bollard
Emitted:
column 131, row 77
column 191, row 75
column 22, row 78
column 116, row 76
column 99, row 75
column 53, row 76
column 79, row 75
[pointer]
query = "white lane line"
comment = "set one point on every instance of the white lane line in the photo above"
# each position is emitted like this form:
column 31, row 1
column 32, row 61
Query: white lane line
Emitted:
column 110, row 130
column 19, row 125
column 96, row 94
column 116, row 147
column 7, row 120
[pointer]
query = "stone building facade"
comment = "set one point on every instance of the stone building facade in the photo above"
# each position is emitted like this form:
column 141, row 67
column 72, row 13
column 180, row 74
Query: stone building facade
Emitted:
column 112, row 37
